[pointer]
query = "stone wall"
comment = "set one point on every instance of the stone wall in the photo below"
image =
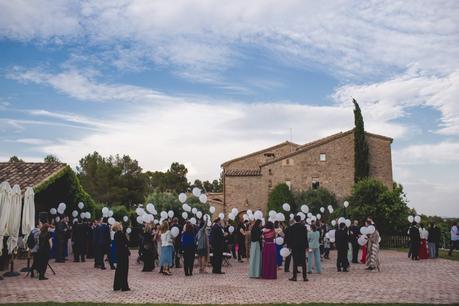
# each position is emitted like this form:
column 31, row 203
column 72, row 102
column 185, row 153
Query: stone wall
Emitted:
column 244, row 192
column 380, row 159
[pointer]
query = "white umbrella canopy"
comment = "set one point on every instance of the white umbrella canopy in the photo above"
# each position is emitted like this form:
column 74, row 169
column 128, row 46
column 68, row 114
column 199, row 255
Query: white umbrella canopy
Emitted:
column 14, row 221
column 28, row 212
column 5, row 207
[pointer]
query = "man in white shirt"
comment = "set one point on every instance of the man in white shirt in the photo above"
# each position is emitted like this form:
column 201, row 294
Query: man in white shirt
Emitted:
column 454, row 239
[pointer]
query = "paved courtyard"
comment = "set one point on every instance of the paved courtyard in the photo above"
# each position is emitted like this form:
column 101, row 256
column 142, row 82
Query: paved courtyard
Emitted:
column 401, row 280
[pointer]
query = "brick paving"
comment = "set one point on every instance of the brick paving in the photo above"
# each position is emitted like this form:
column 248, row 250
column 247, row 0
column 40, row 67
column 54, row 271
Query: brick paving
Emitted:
column 401, row 280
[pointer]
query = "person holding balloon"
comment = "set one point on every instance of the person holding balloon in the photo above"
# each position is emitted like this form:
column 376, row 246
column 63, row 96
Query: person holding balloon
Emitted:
column 167, row 248
column 373, row 247
column 255, row 250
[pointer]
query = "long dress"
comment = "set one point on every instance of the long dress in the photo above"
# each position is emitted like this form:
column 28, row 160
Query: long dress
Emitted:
column 423, row 251
column 255, row 253
column 373, row 251
column 122, row 268
column 268, row 256
column 363, row 259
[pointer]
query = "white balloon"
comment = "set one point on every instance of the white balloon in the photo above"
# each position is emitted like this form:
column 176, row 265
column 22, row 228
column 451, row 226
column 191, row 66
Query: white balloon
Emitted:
column 332, row 240
column 231, row 216
column 110, row 213
column 280, row 217
column 322, row 210
column 75, row 220
column 163, row 215
column 88, row 215
column 74, row 213
column 271, row 213
column 203, row 198
column 363, row 230
column 234, row 211
column 212, row 209
column 105, row 210
column 318, row 216
column 286, row 207
column 196, row 191
column 348, row 222
column 313, row 218
column 175, row 231
column 308, row 220
column 111, row 221
column 231, row 229
column 279, row 241
column 221, row 216
column 285, row 252
column 331, row 234
column 82, row 215
column 193, row 220
column 258, row 215
column 150, row 208
column 309, row 215
column 410, row 219
column 145, row 218
column 302, row 215
column 60, row 210
column 199, row 215
column 139, row 219
column 330, row 208
column 308, row 227
column 362, row 240
column 209, row 223
column 305, row 209
column 62, row 205
column 182, row 197
column 249, row 212
column 125, row 218
column 185, row 215
column 52, row 211
column 194, row 210
column 292, row 216
column 58, row 219
column 341, row 220
column 170, row 213
column 155, row 221
column 371, row 229
column 417, row 219
column 80, row 205
column 333, row 222
column 346, row 204
column 128, row 230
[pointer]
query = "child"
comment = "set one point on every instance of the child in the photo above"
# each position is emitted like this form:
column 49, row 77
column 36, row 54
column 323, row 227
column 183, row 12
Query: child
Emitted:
column 326, row 247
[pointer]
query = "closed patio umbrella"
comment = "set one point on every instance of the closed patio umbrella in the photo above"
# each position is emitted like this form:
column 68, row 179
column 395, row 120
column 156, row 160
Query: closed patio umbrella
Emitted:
column 5, row 207
column 28, row 212
column 14, row 221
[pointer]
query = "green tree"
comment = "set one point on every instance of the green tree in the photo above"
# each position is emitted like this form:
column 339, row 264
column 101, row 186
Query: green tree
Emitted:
column 114, row 180
column 51, row 159
column 315, row 199
column 279, row 195
column 362, row 166
column 15, row 159
column 388, row 208
column 173, row 180
column 217, row 185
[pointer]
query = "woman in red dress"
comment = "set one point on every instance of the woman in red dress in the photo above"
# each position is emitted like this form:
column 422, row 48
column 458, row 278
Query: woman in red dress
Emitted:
column 268, row 254
column 423, row 251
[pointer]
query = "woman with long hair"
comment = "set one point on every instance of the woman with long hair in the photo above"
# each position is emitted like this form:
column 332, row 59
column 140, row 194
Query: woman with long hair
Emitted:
column 203, row 246
column 122, row 255
column 268, row 255
column 255, row 250
column 44, row 248
column 167, row 248
column 188, row 245
column 148, row 254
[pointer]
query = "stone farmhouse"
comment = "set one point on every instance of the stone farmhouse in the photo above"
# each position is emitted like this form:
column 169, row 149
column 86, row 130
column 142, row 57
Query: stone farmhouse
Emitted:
column 327, row 162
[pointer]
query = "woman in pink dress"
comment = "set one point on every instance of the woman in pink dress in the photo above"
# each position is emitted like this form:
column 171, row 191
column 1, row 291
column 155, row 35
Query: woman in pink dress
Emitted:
column 423, row 251
column 268, row 255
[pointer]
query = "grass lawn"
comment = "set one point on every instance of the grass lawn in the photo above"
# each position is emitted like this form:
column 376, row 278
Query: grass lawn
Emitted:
column 110, row 304
column 443, row 254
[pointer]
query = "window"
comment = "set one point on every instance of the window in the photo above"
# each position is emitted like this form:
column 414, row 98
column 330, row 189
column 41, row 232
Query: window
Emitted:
column 315, row 183
column 289, row 184
column 287, row 161
column 323, row 157
column 270, row 172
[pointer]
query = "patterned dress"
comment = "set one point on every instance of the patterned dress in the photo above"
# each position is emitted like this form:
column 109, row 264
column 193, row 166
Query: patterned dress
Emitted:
column 373, row 251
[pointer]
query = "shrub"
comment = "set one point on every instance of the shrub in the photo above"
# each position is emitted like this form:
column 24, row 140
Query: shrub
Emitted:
column 279, row 195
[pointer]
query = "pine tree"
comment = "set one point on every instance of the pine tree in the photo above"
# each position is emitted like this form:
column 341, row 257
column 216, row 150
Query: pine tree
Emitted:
column 362, row 167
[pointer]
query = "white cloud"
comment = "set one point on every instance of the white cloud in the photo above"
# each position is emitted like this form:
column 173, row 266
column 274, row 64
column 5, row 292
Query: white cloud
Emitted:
column 200, row 38
column 437, row 153
column 388, row 100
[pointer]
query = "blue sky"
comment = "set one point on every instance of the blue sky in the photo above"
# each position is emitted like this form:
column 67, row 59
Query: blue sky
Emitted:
column 201, row 82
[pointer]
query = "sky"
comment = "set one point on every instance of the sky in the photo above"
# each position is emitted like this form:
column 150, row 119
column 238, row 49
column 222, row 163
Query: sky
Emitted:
column 202, row 82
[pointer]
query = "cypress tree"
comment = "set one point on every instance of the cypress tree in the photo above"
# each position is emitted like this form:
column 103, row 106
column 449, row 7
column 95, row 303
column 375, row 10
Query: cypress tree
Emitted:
column 362, row 167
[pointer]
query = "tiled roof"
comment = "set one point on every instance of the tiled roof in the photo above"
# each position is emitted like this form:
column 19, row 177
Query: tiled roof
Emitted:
column 261, row 151
column 28, row 174
column 243, row 172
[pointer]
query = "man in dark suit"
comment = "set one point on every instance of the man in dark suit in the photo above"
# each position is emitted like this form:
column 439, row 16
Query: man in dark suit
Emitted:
column 80, row 237
column 61, row 231
column 297, row 240
column 102, row 242
column 415, row 241
column 217, row 241
column 342, row 240
column 354, row 236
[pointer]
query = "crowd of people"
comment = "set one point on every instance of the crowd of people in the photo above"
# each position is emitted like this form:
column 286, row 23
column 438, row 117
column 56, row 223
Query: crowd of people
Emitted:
column 266, row 245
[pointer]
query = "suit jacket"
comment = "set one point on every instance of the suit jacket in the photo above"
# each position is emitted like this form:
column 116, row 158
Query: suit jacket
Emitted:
column 217, row 238
column 414, row 234
column 297, row 237
column 342, row 240
column 121, row 242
